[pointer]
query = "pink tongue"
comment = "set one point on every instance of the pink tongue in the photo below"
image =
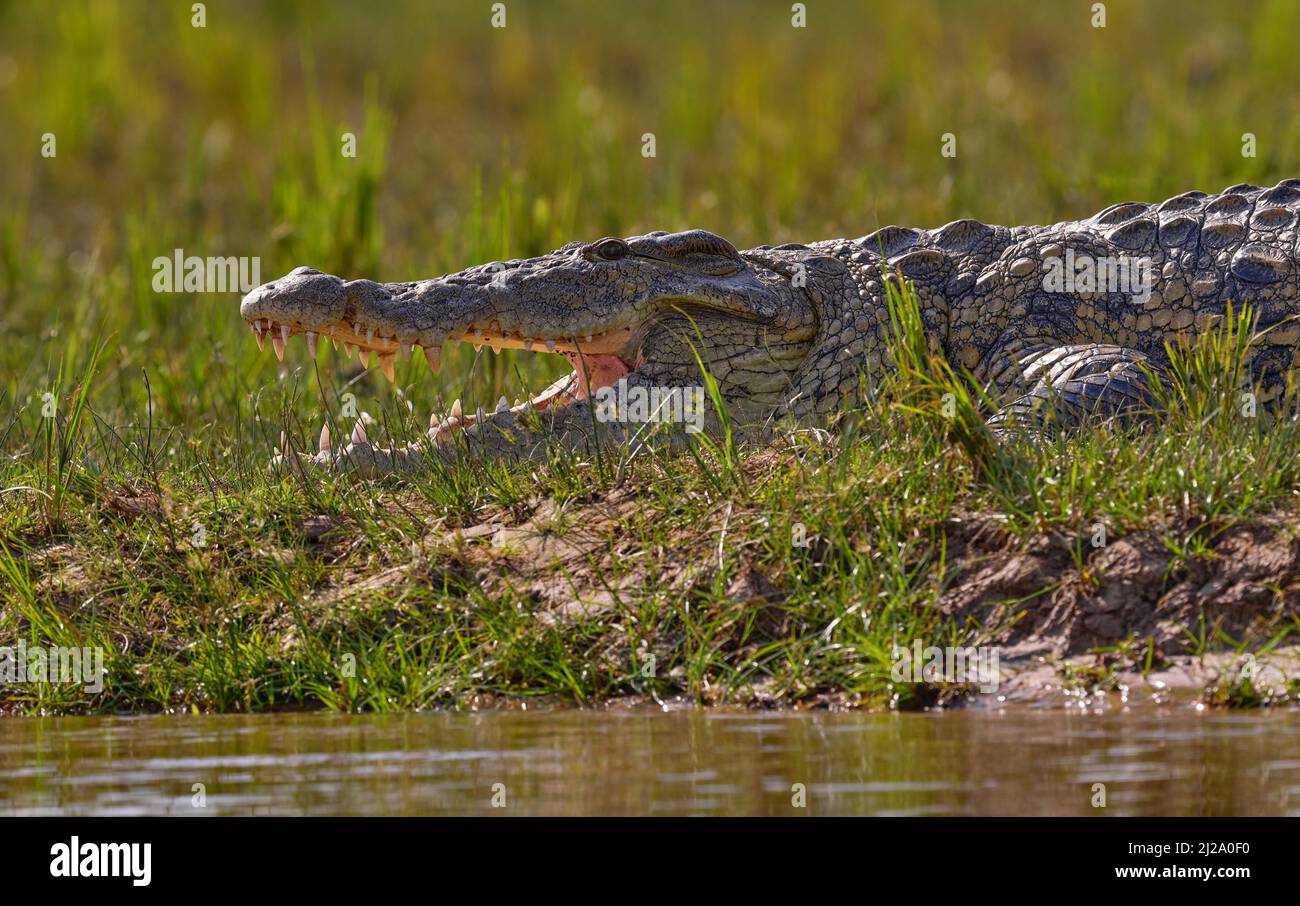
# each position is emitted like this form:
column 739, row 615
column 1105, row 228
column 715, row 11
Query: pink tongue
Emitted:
column 596, row 371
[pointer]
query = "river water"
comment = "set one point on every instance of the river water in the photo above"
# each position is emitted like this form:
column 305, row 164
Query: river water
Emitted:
column 644, row 762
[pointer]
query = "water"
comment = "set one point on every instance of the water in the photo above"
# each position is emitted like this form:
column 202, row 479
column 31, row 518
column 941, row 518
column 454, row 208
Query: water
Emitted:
column 655, row 763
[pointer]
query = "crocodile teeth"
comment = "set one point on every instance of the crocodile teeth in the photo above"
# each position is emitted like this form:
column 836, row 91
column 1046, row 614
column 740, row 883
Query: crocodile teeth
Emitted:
column 550, row 346
column 406, row 349
column 335, row 343
column 370, row 335
column 496, row 350
column 528, row 344
column 311, row 344
column 261, row 339
column 359, row 432
column 278, row 343
column 589, row 338
column 456, row 409
column 386, row 363
column 433, row 355
column 325, row 438
column 445, row 424
column 502, row 405
column 478, row 347
column 356, row 327
column 347, row 348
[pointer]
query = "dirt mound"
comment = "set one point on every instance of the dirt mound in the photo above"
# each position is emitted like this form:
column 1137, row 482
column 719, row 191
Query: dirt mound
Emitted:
column 1242, row 581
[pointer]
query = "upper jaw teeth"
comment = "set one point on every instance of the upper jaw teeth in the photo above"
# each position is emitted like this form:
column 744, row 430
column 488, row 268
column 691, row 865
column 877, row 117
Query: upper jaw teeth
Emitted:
column 614, row 341
column 385, row 350
column 386, row 347
column 364, row 337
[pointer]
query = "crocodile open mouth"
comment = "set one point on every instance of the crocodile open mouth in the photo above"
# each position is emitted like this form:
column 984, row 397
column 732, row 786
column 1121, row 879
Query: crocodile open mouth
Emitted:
column 598, row 360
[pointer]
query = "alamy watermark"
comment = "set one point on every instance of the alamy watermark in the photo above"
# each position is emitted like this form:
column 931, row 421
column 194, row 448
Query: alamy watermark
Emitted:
column 191, row 274
column 949, row 664
column 22, row 663
column 620, row 402
column 1074, row 272
column 75, row 859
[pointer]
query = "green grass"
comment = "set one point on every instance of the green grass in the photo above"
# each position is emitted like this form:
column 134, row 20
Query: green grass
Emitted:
column 141, row 516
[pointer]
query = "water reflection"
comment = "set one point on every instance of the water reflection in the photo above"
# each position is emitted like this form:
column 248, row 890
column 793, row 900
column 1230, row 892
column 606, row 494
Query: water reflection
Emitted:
column 653, row 763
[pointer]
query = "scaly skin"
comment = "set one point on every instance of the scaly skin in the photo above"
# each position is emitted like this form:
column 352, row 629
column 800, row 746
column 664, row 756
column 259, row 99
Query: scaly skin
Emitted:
column 792, row 332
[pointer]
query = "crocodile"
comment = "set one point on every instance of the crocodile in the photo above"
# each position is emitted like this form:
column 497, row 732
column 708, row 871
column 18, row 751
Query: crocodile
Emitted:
column 1077, row 312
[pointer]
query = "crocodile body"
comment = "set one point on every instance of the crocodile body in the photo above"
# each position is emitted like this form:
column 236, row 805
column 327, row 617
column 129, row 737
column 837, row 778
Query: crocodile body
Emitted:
column 1079, row 308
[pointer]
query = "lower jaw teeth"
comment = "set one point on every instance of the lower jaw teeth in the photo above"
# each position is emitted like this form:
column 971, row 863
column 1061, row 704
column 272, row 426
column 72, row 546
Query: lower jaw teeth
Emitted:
column 563, row 391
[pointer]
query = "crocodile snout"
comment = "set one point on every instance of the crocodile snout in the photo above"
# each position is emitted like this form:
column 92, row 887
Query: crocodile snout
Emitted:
column 304, row 297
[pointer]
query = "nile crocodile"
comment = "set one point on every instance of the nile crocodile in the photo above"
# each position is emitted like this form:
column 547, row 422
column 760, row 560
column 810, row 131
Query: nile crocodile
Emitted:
column 794, row 332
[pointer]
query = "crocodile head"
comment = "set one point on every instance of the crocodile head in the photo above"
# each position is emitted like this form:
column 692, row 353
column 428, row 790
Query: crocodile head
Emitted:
column 615, row 308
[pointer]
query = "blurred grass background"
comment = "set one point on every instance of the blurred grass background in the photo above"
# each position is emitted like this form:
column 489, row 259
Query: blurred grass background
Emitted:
column 477, row 143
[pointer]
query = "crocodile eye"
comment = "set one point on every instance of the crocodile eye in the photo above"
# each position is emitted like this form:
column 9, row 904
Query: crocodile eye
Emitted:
column 612, row 249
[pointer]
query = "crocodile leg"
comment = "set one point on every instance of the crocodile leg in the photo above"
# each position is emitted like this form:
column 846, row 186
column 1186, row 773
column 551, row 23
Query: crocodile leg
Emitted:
column 1071, row 385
